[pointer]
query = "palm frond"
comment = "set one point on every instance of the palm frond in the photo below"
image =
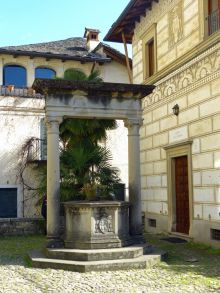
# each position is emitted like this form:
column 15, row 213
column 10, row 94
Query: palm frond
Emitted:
column 95, row 76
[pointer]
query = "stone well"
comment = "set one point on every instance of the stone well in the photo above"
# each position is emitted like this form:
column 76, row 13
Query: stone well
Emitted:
column 96, row 224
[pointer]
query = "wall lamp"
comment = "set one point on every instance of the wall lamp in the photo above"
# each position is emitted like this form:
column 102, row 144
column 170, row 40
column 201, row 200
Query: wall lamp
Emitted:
column 176, row 110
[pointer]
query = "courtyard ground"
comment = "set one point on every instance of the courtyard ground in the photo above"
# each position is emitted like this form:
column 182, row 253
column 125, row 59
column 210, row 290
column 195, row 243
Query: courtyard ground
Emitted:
column 189, row 268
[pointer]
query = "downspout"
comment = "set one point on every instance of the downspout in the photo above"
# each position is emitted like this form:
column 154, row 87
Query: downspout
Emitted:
column 127, row 59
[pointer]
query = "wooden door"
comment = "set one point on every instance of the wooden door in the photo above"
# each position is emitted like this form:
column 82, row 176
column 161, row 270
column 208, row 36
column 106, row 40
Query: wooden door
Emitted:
column 182, row 195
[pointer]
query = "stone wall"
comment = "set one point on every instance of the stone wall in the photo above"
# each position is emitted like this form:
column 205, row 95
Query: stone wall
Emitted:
column 9, row 227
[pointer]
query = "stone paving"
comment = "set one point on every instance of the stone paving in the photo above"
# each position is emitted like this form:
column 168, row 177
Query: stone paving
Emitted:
column 186, row 270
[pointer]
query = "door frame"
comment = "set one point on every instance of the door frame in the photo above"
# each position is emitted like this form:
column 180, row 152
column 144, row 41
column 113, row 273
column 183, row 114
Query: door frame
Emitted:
column 173, row 151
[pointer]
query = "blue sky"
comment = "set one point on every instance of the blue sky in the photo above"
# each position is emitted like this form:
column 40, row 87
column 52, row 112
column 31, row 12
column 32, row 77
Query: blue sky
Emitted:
column 34, row 21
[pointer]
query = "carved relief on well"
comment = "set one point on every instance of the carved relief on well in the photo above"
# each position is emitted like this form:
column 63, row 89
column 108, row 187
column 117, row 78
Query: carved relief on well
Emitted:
column 103, row 222
column 175, row 25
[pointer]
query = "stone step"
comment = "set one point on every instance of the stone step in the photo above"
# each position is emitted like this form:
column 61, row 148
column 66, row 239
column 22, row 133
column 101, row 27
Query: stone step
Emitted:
column 99, row 254
column 40, row 261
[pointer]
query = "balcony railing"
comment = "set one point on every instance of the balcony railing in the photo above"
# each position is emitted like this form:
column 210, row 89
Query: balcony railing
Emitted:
column 214, row 21
column 37, row 150
column 12, row 91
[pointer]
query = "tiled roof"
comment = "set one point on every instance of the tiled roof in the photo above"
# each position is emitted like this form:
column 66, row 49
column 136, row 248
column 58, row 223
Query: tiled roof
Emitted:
column 69, row 49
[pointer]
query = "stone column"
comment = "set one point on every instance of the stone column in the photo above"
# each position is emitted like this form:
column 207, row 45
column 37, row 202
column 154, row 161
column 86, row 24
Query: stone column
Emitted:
column 135, row 220
column 53, row 182
column 30, row 73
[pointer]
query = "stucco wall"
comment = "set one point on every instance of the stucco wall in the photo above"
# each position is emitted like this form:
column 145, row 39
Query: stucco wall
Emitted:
column 20, row 120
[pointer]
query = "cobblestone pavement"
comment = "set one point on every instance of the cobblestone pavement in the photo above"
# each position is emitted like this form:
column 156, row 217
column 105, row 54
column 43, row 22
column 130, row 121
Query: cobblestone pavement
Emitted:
column 188, row 269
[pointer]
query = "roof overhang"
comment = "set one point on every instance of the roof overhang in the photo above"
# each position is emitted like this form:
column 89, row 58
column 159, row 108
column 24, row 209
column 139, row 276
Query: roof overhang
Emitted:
column 126, row 21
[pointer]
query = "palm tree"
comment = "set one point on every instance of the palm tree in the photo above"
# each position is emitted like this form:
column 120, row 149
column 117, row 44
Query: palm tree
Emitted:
column 83, row 160
column 79, row 75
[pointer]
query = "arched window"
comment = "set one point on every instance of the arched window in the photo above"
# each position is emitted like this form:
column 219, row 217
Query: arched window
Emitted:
column 43, row 72
column 14, row 75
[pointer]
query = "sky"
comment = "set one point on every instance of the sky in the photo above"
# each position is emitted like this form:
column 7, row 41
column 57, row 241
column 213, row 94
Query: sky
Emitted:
column 34, row 21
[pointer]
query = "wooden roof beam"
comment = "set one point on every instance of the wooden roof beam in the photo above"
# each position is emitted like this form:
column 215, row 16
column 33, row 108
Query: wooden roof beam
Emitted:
column 127, row 59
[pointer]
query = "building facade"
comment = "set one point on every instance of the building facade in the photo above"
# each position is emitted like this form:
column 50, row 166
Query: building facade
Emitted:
column 22, row 111
column 176, row 47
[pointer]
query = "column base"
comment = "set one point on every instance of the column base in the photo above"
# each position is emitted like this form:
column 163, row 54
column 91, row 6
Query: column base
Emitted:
column 138, row 239
column 53, row 242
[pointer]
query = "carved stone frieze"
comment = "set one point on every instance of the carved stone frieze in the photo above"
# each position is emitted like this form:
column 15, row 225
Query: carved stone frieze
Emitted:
column 197, row 72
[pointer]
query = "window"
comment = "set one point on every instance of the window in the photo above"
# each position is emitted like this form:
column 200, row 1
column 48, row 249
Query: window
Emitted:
column 213, row 16
column 43, row 72
column 215, row 234
column 14, row 75
column 213, row 5
column 8, row 202
column 149, row 52
column 150, row 56
column 152, row 223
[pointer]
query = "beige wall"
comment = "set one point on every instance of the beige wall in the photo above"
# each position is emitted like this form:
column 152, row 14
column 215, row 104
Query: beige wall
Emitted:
column 198, row 120
column 188, row 74
column 180, row 26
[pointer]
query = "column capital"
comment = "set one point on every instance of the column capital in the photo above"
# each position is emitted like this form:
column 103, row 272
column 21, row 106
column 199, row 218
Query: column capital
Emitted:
column 131, row 122
column 53, row 124
column 55, row 119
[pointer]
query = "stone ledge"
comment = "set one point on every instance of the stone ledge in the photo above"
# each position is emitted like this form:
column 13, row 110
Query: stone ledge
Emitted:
column 38, row 260
column 99, row 254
